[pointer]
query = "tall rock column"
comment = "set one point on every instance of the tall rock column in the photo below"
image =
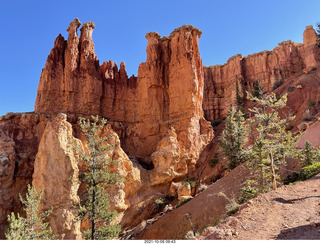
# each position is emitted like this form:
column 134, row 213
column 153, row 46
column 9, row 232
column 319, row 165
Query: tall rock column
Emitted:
column 170, row 92
column 56, row 173
column 71, row 81
column 311, row 50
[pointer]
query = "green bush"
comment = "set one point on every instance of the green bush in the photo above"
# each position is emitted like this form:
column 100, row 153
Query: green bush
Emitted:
column 191, row 182
column 248, row 192
column 305, row 173
column 309, row 171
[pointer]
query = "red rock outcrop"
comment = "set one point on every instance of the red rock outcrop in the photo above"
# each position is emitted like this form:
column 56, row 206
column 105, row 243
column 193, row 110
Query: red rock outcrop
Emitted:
column 56, row 173
column 71, row 79
column 169, row 93
column 144, row 107
column 268, row 67
column 20, row 135
column 158, row 116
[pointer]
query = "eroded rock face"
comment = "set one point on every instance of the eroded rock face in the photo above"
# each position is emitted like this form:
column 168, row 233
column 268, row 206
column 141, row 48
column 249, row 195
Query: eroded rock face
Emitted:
column 71, row 80
column 56, row 174
column 268, row 67
column 167, row 93
column 19, row 139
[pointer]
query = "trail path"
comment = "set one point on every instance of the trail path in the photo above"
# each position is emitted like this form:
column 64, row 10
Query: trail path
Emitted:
column 289, row 213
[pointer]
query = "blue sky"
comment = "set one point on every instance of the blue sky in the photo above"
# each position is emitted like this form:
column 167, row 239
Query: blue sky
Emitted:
column 229, row 27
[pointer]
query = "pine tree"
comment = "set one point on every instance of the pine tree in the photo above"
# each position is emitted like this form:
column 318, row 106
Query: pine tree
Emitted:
column 257, row 90
column 233, row 139
column 94, row 202
column 33, row 227
column 308, row 155
column 272, row 144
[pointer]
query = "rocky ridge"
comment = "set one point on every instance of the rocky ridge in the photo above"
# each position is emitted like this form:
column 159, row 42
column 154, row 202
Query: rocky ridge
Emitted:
column 270, row 68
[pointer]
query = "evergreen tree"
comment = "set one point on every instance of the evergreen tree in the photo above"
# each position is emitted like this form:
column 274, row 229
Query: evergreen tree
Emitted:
column 318, row 29
column 33, row 227
column 233, row 139
column 257, row 90
column 272, row 144
column 309, row 155
column 94, row 202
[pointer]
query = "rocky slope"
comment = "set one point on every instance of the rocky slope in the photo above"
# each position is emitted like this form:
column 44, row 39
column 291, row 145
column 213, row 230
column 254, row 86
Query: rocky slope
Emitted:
column 289, row 213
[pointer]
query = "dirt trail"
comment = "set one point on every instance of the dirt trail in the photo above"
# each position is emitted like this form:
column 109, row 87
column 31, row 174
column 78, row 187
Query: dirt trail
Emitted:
column 289, row 213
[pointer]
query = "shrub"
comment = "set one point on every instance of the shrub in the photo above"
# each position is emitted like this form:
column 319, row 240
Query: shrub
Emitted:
column 191, row 182
column 305, row 173
column 233, row 206
column 309, row 171
column 248, row 192
column 162, row 202
column 159, row 203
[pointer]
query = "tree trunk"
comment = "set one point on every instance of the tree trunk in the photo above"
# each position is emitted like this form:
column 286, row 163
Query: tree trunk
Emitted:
column 274, row 183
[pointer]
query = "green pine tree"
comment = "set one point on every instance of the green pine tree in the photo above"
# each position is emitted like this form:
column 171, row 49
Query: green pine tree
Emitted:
column 94, row 201
column 233, row 139
column 257, row 90
column 272, row 143
column 309, row 155
column 33, row 227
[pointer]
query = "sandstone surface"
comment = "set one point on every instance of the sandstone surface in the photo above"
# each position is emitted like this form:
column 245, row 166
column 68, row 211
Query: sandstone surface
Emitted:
column 56, row 173
column 20, row 135
column 147, row 106
column 270, row 68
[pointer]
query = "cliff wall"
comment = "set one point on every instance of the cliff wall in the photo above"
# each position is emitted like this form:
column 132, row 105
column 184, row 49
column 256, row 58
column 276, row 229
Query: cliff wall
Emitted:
column 268, row 67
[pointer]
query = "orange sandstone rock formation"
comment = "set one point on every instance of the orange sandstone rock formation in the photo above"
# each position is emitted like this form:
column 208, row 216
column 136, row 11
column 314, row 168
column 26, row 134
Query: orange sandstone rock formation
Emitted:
column 168, row 91
column 20, row 135
column 56, row 173
column 158, row 116
column 268, row 67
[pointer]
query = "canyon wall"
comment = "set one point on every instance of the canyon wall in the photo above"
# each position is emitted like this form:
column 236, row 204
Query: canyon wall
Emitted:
column 268, row 67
